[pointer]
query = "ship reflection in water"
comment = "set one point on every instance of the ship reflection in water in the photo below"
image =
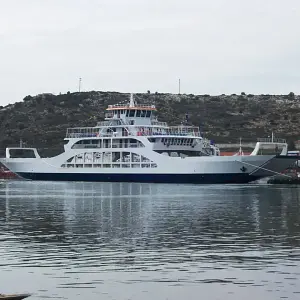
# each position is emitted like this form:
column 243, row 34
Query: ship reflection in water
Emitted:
column 142, row 241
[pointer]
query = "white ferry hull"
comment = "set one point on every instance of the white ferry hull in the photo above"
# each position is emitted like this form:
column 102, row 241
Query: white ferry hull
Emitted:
column 200, row 170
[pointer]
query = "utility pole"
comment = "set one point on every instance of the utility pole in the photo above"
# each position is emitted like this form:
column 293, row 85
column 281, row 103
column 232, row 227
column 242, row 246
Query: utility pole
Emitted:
column 79, row 84
column 179, row 86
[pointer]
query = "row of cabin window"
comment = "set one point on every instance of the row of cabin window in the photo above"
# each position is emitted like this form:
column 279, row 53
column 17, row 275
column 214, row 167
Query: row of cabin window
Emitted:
column 178, row 142
column 97, row 141
column 114, row 156
column 136, row 113
column 110, row 158
column 133, row 165
column 108, row 144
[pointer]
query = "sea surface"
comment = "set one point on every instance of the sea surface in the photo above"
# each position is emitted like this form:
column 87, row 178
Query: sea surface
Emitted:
column 149, row 241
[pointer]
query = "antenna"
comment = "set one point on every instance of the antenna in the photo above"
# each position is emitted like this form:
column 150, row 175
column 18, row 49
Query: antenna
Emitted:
column 131, row 104
column 240, row 150
column 79, row 87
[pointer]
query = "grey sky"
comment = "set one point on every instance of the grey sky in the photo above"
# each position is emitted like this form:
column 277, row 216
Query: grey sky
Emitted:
column 214, row 46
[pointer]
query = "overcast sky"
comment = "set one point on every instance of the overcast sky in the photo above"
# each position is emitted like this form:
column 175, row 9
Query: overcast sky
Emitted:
column 214, row 46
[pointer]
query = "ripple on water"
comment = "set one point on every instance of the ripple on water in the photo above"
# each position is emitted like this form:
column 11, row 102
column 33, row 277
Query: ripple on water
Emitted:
column 65, row 240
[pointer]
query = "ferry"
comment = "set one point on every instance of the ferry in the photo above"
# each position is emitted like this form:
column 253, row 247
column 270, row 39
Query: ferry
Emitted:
column 132, row 145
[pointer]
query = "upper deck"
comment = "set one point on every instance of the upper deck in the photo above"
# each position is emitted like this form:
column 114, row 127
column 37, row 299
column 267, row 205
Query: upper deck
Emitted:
column 131, row 120
column 140, row 113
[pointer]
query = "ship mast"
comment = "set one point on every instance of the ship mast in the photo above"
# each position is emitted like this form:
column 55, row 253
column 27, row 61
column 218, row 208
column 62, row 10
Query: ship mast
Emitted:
column 240, row 150
column 131, row 103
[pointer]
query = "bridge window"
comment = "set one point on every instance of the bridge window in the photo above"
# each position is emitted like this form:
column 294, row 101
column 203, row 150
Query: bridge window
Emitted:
column 21, row 153
column 132, row 113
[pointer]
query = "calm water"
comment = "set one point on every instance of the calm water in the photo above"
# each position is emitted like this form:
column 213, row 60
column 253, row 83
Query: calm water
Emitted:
column 145, row 242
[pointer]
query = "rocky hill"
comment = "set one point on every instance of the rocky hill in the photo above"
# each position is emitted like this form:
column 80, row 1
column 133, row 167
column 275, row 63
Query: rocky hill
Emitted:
column 42, row 120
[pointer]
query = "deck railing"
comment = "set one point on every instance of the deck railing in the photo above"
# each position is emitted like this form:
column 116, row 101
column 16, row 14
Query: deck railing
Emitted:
column 271, row 140
column 131, row 130
column 158, row 123
column 82, row 132
column 120, row 105
column 103, row 123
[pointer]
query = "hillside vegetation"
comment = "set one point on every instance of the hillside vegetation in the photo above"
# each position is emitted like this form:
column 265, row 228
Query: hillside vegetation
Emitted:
column 41, row 121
